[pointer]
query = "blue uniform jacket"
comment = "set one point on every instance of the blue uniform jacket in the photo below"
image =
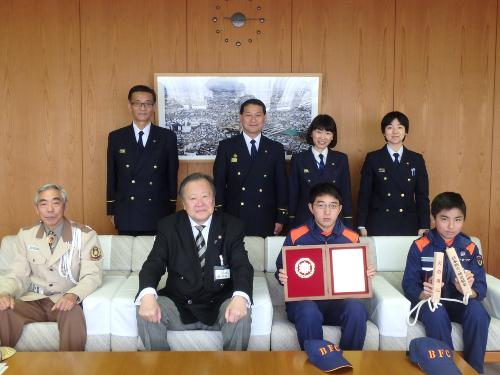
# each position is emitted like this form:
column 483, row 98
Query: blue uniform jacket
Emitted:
column 419, row 265
column 393, row 198
column 304, row 174
column 311, row 234
column 254, row 190
column 141, row 187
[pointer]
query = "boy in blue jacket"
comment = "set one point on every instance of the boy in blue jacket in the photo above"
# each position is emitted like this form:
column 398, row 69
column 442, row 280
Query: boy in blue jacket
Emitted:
column 448, row 210
column 325, row 204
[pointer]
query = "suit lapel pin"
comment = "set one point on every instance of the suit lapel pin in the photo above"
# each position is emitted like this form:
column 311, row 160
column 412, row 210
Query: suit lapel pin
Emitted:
column 265, row 151
column 306, row 170
column 121, row 151
column 381, row 170
column 154, row 140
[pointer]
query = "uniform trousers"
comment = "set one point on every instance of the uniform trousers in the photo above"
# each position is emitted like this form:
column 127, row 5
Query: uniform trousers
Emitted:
column 309, row 317
column 71, row 324
column 474, row 320
column 235, row 336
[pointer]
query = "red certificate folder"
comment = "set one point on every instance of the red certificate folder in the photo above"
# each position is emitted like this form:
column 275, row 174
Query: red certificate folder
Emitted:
column 326, row 272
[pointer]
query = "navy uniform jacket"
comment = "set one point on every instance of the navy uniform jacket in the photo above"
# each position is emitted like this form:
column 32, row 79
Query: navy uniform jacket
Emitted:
column 253, row 190
column 419, row 265
column 304, row 174
column 142, row 187
column 393, row 198
column 197, row 296
column 311, row 234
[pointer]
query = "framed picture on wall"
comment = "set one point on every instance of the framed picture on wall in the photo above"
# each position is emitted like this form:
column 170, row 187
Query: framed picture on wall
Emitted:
column 203, row 109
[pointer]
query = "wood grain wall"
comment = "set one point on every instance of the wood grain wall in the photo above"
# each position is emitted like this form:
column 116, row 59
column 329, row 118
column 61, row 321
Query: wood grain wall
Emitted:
column 66, row 67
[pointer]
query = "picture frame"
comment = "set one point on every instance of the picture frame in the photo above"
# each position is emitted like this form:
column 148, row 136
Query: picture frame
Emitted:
column 321, row 272
column 203, row 108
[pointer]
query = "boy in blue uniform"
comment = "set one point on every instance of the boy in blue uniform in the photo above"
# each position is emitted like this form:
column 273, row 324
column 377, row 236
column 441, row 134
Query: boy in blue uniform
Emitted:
column 449, row 210
column 325, row 204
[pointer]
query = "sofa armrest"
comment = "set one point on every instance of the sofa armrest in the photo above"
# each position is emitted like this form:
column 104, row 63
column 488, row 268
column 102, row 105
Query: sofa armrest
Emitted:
column 388, row 308
column 492, row 300
column 97, row 306
column 262, row 308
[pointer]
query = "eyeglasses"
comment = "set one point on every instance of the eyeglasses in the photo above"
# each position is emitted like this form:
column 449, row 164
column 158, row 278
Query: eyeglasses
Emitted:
column 140, row 105
column 331, row 206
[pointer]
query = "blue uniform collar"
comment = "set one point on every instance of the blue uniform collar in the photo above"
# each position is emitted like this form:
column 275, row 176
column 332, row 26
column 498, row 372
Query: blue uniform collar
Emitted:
column 316, row 231
column 460, row 241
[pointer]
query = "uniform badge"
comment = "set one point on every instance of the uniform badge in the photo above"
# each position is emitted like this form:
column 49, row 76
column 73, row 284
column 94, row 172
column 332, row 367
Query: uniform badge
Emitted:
column 462, row 253
column 479, row 260
column 234, row 159
column 95, row 253
column 306, row 170
column 121, row 151
column 304, row 268
column 381, row 170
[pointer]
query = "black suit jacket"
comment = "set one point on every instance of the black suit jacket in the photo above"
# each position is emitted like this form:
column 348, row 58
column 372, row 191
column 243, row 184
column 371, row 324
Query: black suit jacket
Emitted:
column 393, row 198
column 304, row 174
column 255, row 190
column 198, row 297
column 141, row 187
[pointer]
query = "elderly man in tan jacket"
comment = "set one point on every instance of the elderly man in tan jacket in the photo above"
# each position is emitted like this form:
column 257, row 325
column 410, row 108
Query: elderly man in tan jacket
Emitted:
column 57, row 264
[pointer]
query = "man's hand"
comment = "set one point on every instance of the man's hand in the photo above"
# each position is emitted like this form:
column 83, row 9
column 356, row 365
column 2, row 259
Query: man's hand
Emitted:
column 370, row 272
column 150, row 309
column 236, row 309
column 363, row 232
column 427, row 292
column 6, row 302
column 112, row 219
column 277, row 228
column 470, row 279
column 66, row 302
column 282, row 276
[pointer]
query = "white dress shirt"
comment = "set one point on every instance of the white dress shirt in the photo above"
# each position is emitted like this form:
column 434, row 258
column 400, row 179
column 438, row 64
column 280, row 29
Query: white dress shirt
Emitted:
column 145, row 136
column 249, row 145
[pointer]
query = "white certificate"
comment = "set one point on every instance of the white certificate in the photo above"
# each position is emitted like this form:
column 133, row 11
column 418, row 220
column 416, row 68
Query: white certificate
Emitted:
column 348, row 270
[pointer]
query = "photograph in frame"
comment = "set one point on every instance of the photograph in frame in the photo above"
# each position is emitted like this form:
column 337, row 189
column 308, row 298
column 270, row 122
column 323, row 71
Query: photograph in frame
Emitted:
column 203, row 109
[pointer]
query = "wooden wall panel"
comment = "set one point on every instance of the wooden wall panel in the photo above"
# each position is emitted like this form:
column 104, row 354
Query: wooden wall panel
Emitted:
column 40, row 120
column 352, row 44
column 445, row 53
column 494, row 213
column 269, row 52
column 124, row 42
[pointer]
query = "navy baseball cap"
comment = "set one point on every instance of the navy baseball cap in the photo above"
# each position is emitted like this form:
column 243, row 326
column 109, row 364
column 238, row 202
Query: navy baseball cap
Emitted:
column 325, row 355
column 433, row 356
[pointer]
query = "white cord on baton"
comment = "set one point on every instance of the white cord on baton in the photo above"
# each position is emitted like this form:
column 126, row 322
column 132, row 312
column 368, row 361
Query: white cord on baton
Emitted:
column 432, row 306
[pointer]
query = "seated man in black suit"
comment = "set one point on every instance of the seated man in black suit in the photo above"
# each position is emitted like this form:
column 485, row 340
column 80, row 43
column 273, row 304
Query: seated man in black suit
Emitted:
column 209, row 284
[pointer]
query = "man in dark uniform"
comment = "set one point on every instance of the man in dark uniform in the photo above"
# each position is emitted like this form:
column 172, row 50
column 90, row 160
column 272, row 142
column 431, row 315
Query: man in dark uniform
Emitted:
column 142, row 169
column 250, row 176
column 394, row 189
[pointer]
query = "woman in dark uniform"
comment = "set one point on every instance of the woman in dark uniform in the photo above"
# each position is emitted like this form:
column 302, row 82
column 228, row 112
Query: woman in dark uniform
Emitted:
column 318, row 164
column 394, row 188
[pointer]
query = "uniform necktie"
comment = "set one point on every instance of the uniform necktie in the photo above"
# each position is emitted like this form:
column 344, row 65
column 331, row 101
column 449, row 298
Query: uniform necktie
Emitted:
column 201, row 245
column 396, row 158
column 140, row 144
column 321, row 163
column 253, row 149
column 51, row 239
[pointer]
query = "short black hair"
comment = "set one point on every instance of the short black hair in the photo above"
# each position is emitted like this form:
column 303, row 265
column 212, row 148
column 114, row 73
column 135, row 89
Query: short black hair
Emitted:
column 447, row 201
column 141, row 88
column 253, row 101
column 391, row 116
column 322, row 122
column 324, row 188
column 195, row 177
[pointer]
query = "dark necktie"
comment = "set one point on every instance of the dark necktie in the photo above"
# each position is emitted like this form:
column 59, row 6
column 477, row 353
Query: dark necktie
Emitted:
column 396, row 158
column 140, row 144
column 51, row 239
column 201, row 245
column 253, row 149
column 321, row 163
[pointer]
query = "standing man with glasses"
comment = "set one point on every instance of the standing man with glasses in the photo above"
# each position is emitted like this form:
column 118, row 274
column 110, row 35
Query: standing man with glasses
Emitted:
column 142, row 169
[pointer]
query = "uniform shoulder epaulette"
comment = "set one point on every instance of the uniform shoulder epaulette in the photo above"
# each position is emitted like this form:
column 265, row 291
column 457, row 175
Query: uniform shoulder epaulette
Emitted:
column 351, row 235
column 84, row 228
column 296, row 233
column 422, row 242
